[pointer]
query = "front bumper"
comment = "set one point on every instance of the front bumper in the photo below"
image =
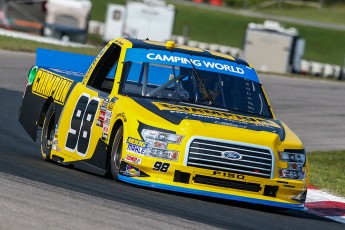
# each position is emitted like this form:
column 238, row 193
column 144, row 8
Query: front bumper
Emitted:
column 190, row 180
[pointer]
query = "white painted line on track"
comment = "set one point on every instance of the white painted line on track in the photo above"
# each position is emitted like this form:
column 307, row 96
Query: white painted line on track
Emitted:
column 315, row 195
column 326, row 205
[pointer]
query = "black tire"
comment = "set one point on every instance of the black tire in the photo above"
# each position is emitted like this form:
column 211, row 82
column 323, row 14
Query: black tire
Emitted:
column 116, row 153
column 48, row 132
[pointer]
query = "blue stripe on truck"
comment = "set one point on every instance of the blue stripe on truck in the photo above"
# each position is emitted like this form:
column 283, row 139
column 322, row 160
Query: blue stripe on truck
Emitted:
column 63, row 61
column 209, row 193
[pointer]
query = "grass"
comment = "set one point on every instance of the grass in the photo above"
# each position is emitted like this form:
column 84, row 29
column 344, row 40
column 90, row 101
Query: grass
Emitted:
column 16, row 44
column 327, row 171
column 99, row 8
column 323, row 45
column 334, row 14
column 211, row 26
column 227, row 29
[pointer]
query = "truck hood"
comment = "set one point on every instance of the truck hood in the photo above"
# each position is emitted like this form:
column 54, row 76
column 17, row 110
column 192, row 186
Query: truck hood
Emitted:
column 175, row 112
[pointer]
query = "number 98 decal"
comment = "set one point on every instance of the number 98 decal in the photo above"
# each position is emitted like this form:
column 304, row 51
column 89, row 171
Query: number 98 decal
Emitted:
column 79, row 133
column 161, row 167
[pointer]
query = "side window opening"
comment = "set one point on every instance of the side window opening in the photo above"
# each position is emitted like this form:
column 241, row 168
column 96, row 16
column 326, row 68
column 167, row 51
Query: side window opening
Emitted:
column 102, row 77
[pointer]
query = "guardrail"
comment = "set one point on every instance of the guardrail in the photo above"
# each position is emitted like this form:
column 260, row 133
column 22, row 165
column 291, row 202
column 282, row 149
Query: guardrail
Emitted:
column 324, row 70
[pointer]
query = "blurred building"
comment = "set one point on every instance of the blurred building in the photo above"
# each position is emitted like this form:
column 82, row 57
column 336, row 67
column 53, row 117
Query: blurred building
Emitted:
column 273, row 48
column 62, row 19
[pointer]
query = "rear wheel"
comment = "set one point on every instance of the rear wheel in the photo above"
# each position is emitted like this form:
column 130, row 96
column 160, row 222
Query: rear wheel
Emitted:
column 48, row 132
column 116, row 153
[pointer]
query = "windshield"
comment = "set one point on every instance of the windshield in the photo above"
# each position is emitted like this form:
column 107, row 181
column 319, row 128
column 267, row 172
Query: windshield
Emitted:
column 188, row 81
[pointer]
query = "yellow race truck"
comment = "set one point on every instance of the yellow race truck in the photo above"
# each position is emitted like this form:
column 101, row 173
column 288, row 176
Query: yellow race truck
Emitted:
column 165, row 116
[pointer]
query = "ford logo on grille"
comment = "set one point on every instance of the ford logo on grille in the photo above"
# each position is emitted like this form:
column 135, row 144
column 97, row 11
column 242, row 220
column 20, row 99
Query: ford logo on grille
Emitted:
column 232, row 155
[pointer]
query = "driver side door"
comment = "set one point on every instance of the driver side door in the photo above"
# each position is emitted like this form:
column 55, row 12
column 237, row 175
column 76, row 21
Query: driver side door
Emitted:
column 79, row 128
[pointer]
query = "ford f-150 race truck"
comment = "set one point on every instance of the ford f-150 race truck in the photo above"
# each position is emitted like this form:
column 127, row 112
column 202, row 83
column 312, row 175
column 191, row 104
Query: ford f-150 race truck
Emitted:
column 165, row 116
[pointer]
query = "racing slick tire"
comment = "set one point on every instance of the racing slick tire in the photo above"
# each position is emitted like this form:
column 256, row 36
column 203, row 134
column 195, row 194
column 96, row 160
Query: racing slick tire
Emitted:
column 116, row 153
column 48, row 132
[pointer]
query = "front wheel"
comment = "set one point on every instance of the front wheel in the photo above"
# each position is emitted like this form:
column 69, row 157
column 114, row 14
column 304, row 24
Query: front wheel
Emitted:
column 48, row 132
column 116, row 153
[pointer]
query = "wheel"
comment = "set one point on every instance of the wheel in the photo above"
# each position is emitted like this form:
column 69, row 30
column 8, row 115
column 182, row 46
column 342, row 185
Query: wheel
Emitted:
column 116, row 153
column 48, row 132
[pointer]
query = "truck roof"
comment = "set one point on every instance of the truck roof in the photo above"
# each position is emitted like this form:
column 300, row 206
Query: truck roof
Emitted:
column 148, row 44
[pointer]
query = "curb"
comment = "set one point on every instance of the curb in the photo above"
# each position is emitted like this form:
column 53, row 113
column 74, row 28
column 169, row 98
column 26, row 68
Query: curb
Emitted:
column 325, row 204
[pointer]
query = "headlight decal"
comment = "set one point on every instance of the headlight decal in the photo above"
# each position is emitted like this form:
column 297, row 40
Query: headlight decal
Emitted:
column 144, row 126
column 294, row 155
column 157, row 141
column 296, row 161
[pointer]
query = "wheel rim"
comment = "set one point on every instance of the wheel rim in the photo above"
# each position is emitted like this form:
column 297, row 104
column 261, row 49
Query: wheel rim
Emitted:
column 118, row 153
column 50, row 132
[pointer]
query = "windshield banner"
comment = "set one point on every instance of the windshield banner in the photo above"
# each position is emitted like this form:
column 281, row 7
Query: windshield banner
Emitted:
column 185, row 60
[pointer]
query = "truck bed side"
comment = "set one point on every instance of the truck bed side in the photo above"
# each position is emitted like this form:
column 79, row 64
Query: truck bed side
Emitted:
column 57, row 74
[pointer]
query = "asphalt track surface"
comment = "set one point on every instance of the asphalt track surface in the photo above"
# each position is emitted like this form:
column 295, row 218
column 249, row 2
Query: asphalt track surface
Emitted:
column 35, row 194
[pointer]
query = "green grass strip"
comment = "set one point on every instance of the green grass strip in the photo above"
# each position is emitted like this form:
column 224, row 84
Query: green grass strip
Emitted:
column 322, row 45
column 334, row 14
column 17, row 44
column 327, row 171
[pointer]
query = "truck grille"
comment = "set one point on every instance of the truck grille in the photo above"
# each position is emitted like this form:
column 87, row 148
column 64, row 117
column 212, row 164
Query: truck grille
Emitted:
column 207, row 154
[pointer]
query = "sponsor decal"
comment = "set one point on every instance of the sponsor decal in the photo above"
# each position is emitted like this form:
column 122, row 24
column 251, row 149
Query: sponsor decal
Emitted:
column 212, row 114
column 122, row 116
column 108, row 114
column 112, row 103
column 105, row 132
column 100, row 118
column 136, row 146
column 107, row 122
column 104, row 104
column 227, row 67
column 136, row 149
column 137, row 142
column 105, row 129
column 47, row 84
column 228, row 175
column 231, row 155
column 131, row 171
column 105, row 115
column 133, row 159
column 208, row 64
column 104, row 136
column 102, row 112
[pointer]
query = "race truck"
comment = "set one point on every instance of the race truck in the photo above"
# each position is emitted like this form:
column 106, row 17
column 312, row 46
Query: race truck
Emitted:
column 165, row 116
